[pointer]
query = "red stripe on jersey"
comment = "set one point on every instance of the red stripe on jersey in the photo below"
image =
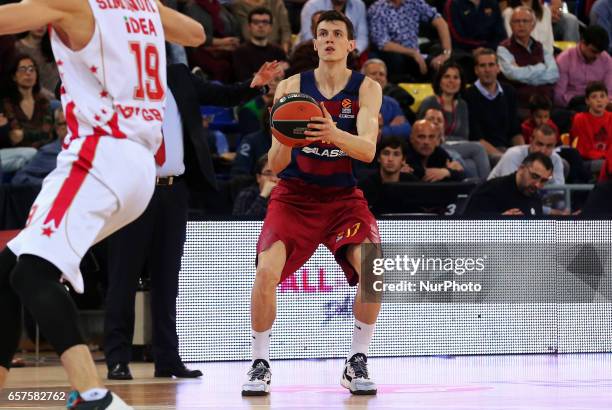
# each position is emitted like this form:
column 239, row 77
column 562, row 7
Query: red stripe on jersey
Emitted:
column 72, row 184
column 113, row 123
column 316, row 166
column 72, row 123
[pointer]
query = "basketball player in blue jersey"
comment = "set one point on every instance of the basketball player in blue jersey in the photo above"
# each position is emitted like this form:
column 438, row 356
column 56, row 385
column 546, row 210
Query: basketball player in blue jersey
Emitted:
column 316, row 200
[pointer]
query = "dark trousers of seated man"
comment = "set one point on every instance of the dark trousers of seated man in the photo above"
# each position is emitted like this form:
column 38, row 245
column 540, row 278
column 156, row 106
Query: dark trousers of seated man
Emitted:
column 153, row 242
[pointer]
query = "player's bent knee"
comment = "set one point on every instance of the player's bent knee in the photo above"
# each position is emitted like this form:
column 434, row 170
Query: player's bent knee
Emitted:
column 36, row 281
column 268, row 276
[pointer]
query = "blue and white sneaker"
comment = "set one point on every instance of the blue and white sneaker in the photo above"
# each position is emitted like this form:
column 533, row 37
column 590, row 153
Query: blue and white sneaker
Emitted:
column 355, row 376
column 109, row 402
column 259, row 376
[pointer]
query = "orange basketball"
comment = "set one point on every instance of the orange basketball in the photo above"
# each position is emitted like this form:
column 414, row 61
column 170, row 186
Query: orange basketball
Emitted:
column 290, row 116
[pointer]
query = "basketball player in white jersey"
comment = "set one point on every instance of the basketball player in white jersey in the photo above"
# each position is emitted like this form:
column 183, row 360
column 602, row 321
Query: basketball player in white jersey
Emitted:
column 112, row 63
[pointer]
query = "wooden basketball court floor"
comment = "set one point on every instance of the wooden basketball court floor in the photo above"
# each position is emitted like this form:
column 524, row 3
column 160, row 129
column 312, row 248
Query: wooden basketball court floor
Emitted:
column 529, row 382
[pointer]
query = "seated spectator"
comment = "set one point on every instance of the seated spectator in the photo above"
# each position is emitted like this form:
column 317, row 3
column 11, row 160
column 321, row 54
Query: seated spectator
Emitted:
column 580, row 65
column 539, row 114
column 448, row 84
column 544, row 141
column 280, row 34
column 391, row 157
column 251, row 55
column 252, row 147
column 524, row 62
column 37, row 45
column 514, row 194
column 45, row 160
column 492, row 108
column 253, row 201
column 540, row 107
column 543, row 26
column 223, row 30
column 601, row 15
column 394, row 31
column 429, row 161
column 470, row 154
column 593, row 129
column 394, row 122
column 474, row 23
column 355, row 10
column 27, row 110
column 376, row 69
column 566, row 26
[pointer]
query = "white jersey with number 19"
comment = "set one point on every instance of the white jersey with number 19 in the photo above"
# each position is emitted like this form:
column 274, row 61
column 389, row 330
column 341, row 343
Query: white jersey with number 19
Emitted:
column 115, row 85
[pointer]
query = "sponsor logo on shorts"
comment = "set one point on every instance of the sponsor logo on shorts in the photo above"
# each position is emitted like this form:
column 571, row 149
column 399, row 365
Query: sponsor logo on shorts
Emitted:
column 324, row 152
column 349, row 232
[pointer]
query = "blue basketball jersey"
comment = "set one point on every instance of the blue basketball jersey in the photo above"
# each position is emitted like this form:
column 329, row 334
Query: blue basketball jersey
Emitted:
column 326, row 164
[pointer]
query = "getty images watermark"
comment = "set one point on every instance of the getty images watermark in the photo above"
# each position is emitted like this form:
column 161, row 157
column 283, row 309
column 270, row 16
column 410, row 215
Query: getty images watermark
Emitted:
column 413, row 266
column 487, row 272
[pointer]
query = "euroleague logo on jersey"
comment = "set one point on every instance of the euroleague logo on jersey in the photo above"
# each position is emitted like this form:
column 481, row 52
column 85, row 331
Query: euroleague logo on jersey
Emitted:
column 347, row 109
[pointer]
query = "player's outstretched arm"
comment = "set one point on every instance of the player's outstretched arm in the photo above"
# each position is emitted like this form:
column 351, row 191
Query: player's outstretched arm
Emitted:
column 279, row 155
column 363, row 145
column 180, row 29
column 30, row 14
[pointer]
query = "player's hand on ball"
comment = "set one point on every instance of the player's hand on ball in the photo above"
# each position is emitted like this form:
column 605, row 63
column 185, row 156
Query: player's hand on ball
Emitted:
column 322, row 128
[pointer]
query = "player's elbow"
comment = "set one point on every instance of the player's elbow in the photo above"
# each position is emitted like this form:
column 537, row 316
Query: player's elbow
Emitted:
column 197, row 36
column 368, row 156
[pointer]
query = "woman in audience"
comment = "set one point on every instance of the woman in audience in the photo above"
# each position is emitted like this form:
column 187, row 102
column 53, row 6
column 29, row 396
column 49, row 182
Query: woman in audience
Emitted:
column 448, row 85
column 37, row 45
column 281, row 29
column 543, row 31
column 28, row 111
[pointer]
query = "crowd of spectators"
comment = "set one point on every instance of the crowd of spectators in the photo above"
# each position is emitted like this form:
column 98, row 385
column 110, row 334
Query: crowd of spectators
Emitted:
column 502, row 89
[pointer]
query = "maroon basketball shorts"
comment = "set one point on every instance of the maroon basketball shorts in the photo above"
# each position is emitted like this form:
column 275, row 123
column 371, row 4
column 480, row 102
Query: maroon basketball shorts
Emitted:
column 303, row 216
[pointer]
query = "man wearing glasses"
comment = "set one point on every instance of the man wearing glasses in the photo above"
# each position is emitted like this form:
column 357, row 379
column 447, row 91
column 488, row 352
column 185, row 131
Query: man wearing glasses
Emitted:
column 247, row 58
column 514, row 194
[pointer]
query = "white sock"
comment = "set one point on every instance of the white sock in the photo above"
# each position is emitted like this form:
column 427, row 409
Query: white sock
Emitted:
column 93, row 394
column 362, row 335
column 260, row 345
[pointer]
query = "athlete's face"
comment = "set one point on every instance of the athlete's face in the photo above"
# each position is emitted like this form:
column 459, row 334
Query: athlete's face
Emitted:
column 332, row 42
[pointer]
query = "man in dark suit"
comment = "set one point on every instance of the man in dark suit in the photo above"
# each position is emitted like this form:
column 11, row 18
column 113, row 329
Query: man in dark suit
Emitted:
column 515, row 194
column 155, row 240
